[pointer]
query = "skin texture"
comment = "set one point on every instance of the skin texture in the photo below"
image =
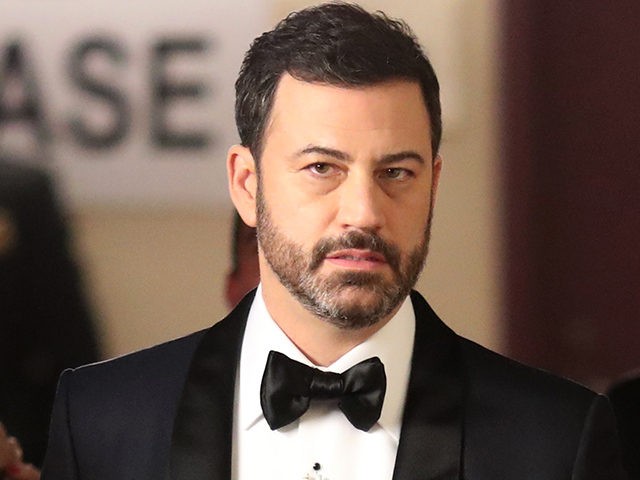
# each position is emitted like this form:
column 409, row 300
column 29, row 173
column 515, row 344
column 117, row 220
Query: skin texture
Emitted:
column 338, row 162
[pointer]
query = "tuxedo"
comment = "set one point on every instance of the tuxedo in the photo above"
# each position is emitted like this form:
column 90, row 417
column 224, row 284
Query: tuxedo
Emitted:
column 45, row 321
column 167, row 412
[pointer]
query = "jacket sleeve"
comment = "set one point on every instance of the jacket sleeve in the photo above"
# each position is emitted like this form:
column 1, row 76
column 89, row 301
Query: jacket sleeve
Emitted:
column 598, row 456
column 60, row 460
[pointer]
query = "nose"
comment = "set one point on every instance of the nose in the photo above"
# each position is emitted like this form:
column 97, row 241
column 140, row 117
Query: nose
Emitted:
column 361, row 203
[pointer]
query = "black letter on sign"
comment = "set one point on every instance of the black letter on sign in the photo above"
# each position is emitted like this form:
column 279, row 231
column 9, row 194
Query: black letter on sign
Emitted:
column 19, row 98
column 164, row 91
column 82, row 77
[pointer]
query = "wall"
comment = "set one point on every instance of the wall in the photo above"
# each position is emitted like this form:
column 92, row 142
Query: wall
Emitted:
column 153, row 275
column 156, row 274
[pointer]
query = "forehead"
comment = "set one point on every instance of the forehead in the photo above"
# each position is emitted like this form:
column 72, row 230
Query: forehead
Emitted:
column 306, row 111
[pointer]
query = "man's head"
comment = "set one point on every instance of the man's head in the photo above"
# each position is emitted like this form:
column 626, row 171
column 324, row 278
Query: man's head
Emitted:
column 335, row 44
column 339, row 116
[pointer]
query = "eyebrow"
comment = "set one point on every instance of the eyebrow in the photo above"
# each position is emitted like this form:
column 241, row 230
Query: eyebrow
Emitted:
column 343, row 156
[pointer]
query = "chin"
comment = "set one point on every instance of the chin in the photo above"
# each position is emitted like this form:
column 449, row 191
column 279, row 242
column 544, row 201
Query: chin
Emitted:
column 354, row 308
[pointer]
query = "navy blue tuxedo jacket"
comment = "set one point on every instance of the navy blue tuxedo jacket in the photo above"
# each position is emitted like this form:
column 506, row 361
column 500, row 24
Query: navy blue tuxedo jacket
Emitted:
column 166, row 412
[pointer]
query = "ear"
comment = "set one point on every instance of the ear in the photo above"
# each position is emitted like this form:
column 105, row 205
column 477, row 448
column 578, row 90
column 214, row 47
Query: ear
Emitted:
column 243, row 182
column 435, row 176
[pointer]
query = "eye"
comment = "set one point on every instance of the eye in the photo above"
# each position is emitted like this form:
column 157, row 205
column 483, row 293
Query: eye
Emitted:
column 321, row 169
column 395, row 173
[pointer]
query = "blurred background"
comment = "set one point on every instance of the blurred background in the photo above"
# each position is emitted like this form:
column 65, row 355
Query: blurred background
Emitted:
column 129, row 106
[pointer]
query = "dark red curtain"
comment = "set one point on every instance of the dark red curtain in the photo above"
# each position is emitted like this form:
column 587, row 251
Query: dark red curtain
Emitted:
column 571, row 155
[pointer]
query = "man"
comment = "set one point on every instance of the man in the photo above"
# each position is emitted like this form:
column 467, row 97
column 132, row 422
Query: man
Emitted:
column 339, row 117
column 45, row 321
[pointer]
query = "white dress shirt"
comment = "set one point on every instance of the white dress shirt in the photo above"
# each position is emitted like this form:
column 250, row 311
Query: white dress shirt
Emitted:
column 322, row 437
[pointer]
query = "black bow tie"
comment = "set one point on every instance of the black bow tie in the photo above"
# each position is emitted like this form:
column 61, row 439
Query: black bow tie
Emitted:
column 288, row 387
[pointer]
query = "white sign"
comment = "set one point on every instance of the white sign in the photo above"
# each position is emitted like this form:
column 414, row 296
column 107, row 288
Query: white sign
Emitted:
column 131, row 102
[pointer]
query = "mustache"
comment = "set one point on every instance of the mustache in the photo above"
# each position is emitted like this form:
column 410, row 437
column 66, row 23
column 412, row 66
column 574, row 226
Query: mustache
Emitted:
column 361, row 240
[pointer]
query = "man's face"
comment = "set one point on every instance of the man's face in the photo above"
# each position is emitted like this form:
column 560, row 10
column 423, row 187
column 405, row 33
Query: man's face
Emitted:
column 345, row 197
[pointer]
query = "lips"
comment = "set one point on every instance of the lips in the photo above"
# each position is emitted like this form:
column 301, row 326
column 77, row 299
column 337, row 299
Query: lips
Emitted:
column 357, row 255
column 355, row 250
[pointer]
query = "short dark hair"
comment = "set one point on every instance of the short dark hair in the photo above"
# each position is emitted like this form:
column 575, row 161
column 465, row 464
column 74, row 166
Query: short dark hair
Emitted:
column 337, row 44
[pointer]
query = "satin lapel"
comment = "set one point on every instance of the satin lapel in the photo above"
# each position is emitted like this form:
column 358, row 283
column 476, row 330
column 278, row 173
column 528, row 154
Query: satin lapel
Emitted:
column 202, row 432
column 432, row 434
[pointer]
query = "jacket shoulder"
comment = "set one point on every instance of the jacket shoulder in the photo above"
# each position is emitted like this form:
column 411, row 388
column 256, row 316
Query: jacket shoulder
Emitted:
column 494, row 372
column 159, row 366
column 564, row 425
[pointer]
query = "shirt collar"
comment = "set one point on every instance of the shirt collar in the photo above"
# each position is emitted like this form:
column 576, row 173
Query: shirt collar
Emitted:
column 393, row 344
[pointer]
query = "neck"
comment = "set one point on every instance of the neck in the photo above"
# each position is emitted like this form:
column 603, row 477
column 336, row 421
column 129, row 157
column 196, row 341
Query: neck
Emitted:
column 320, row 341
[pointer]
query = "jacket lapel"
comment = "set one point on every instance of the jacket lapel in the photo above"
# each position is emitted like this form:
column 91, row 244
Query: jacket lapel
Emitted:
column 432, row 429
column 202, row 433
column 431, row 436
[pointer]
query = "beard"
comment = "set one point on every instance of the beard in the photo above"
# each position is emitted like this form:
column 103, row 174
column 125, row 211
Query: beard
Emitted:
column 373, row 295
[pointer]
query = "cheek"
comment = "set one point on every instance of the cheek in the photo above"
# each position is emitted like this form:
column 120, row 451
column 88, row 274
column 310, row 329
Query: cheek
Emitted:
column 410, row 227
column 411, row 236
column 280, row 191
column 300, row 223
column 306, row 224
column 294, row 210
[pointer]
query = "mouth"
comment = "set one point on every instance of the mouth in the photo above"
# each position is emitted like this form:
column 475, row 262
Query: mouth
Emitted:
column 357, row 259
